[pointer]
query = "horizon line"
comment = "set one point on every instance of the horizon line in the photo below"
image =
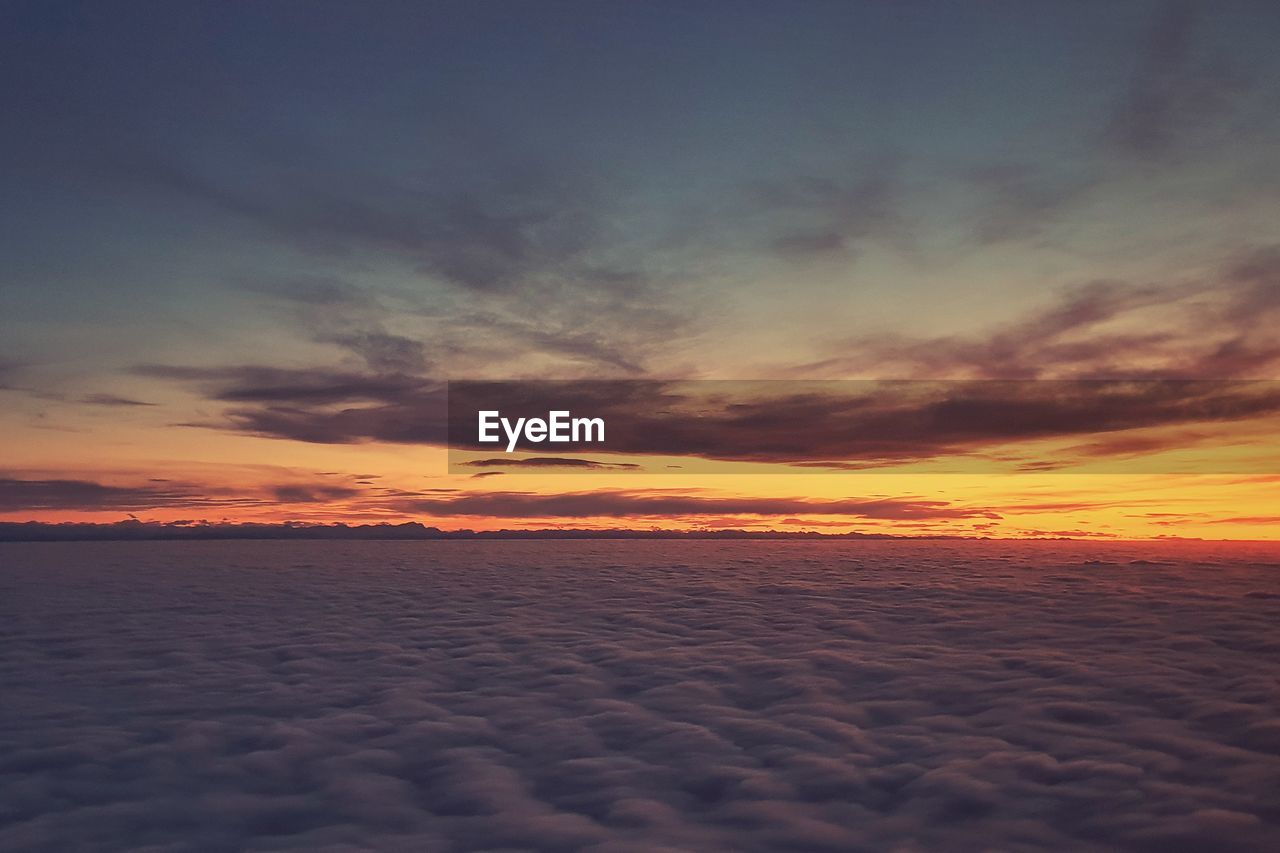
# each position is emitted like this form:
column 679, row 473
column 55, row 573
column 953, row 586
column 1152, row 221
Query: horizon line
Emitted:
column 142, row 531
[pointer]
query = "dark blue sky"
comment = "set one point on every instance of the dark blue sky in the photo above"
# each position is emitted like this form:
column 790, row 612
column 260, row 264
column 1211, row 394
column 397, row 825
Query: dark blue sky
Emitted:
column 167, row 156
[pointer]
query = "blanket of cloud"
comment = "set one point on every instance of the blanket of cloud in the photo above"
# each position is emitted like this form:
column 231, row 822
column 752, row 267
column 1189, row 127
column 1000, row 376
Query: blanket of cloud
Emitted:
column 615, row 696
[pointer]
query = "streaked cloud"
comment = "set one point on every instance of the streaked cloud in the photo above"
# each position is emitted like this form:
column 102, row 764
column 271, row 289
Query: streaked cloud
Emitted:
column 1218, row 327
column 1178, row 95
column 633, row 504
column 549, row 462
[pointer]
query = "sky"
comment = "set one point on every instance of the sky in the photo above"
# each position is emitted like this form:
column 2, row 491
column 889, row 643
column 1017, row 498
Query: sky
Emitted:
column 246, row 245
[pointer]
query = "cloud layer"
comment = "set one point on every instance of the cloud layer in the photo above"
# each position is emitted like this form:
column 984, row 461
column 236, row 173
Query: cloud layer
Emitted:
column 709, row 696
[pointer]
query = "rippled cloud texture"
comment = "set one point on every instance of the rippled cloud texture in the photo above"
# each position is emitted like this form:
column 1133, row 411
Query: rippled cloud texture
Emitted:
column 639, row 696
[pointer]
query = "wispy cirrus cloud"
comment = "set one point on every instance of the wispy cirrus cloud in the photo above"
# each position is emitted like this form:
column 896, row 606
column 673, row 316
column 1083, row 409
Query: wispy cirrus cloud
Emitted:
column 79, row 494
column 535, row 255
column 1176, row 95
column 262, row 384
column 1184, row 101
column 319, row 405
column 634, row 504
column 522, row 222
column 614, row 328
column 1018, row 201
column 1218, row 326
column 112, row 400
column 815, row 216
column 18, row 493
column 382, row 352
column 8, row 370
column 550, row 462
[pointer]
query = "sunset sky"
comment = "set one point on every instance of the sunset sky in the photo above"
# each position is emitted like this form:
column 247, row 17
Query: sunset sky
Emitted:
column 246, row 245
